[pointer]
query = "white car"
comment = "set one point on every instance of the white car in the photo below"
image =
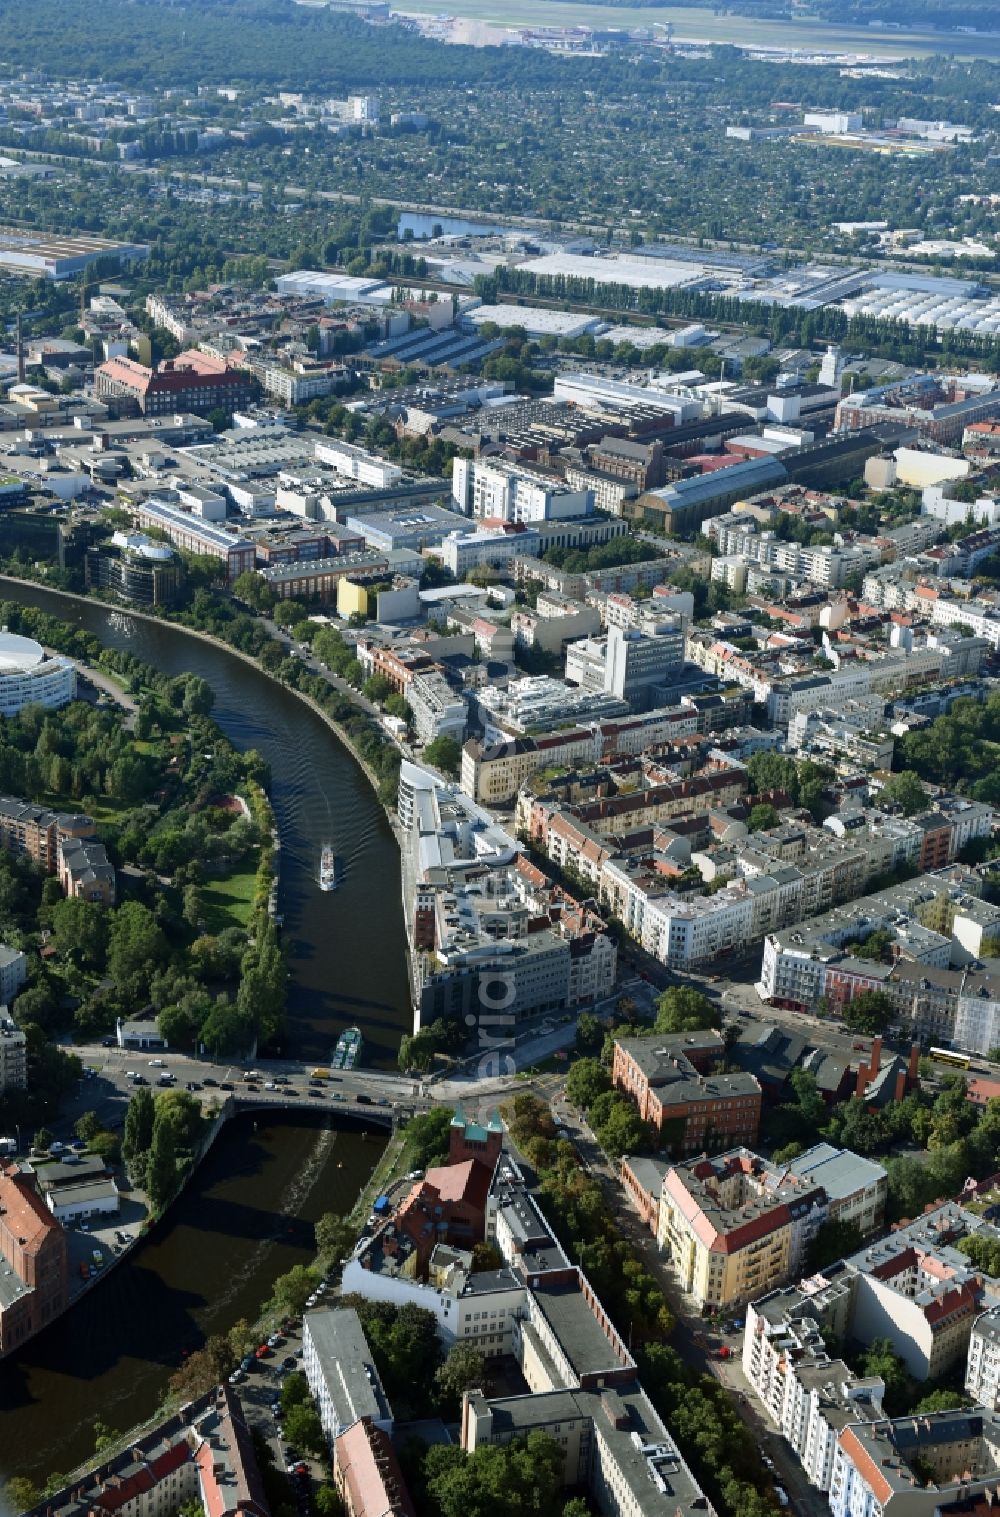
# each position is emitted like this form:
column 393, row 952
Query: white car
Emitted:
column 156, row 1064
column 270, row 1085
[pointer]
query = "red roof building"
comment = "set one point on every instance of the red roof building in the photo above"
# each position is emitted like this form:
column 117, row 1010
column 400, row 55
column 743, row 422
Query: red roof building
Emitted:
column 367, row 1473
column 34, row 1245
column 194, row 381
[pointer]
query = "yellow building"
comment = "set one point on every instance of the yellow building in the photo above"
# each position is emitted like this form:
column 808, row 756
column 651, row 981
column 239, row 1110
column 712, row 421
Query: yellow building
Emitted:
column 733, row 1228
column 352, row 597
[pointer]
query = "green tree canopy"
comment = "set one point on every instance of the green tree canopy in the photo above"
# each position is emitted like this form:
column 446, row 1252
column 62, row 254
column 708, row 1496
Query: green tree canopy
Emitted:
column 683, row 1009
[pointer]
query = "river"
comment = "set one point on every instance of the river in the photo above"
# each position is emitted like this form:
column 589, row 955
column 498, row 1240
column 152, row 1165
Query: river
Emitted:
column 246, row 1216
column 346, row 949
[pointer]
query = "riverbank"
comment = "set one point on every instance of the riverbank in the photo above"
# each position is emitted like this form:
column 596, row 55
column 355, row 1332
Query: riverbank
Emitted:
column 211, row 1264
column 217, row 642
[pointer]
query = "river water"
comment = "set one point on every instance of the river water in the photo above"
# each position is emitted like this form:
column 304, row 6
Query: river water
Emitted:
column 246, row 1217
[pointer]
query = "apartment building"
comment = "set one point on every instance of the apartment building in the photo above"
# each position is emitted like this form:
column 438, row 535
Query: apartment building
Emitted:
column 34, row 1280
column 808, row 1394
column 367, row 1475
column 437, row 710
column 13, row 1054
column 732, row 1229
column 540, row 703
column 343, row 1377
column 202, row 1455
column 669, row 1078
column 493, row 772
column 982, row 1370
column 926, row 1466
column 856, row 1188
column 680, row 930
column 13, row 972
column 85, row 871
column 929, row 919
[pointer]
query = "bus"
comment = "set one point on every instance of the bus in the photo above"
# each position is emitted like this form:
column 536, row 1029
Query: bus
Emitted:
column 946, row 1056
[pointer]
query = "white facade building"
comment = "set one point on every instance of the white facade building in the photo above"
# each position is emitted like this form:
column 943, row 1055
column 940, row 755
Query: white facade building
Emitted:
column 355, row 463
column 502, row 491
column 30, row 677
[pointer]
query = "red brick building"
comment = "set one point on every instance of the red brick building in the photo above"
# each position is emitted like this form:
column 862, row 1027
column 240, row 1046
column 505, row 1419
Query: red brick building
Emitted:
column 447, row 1206
column 194, row 381
column 34, row 1245
column 669, row 1077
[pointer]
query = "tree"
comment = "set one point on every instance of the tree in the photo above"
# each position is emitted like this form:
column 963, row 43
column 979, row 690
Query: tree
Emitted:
column 294, row 1392
column 870, row 1012
column 463, row 1370
column 622, row 1130
column 485, row 1257
column 589, row 1033
column 87, row 1126
column 80, row 931
column 522, row 1476
column 139, row 1119
column 880, row 1359
column 327, row 1502
column 905, row 791
column 762, row 817
column 834, row 1240
column 161, row 1170
column 335, row 1236
column 445, row 754
column 182, row 1111
column 682, row 1009
column 19, row 1494
column 304, row 1430
column 427, row 1137
column 137, row 947
column 43, row 1140
column 292, row 1290
column 107, row 1146
column 940, row 1401
column 587, row 1080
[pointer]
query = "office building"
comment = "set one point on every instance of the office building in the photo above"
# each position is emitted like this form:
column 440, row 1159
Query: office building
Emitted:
column 193, row 534
column 194, row 381
column 31, row 677
column 148, row 574
column 497, row 490
column 637, row 662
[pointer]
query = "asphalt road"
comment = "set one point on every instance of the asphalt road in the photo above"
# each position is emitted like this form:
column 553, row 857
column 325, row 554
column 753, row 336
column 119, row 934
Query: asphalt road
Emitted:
column 108, row 1084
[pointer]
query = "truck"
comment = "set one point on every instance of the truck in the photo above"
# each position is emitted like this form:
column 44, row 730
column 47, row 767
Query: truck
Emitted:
column 320, row 1074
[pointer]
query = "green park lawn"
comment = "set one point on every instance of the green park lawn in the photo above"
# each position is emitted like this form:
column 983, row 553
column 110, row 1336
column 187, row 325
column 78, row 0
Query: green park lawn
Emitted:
column 229, row 901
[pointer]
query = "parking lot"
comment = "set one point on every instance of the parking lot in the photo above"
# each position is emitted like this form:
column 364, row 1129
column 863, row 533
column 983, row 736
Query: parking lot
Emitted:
column 258, row 1382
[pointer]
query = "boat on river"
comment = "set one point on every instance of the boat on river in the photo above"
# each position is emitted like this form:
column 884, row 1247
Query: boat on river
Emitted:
column 348, row 1049
column 329, row 868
